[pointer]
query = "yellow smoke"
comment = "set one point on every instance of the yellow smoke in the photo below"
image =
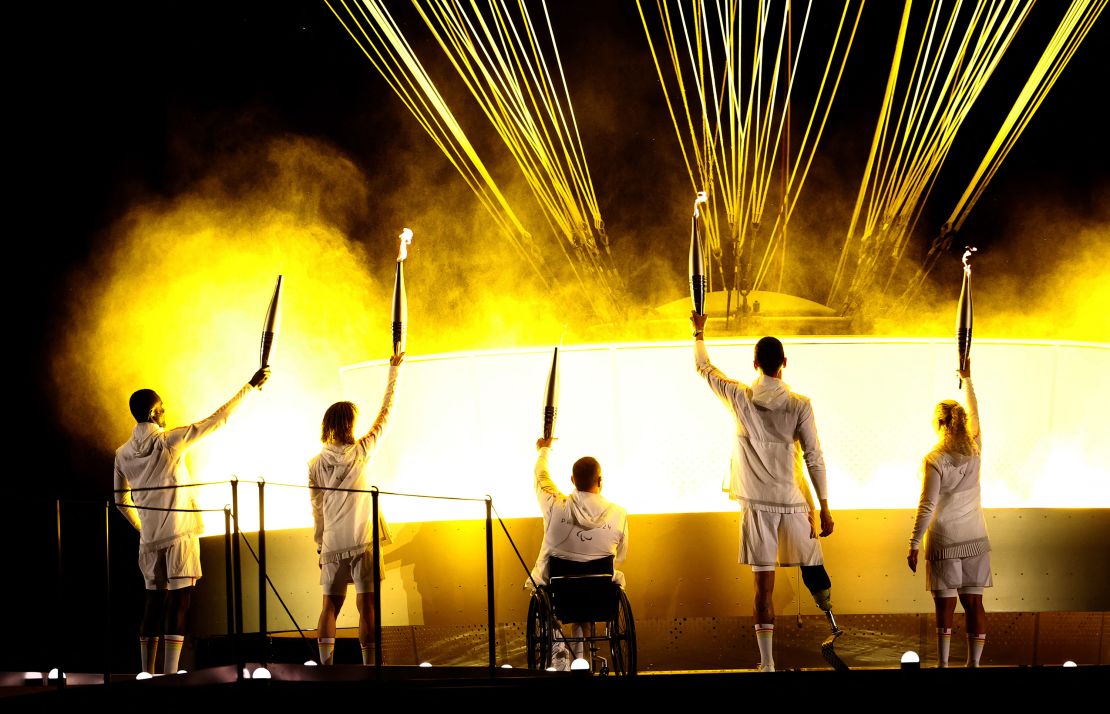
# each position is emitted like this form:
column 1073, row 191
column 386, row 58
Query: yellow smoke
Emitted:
column 176, row 297
column 1050, row 280
column 176, row 302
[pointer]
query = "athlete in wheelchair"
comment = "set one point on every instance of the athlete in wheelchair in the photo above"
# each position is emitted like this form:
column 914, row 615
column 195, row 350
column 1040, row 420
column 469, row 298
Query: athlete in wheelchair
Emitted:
column 578, row 603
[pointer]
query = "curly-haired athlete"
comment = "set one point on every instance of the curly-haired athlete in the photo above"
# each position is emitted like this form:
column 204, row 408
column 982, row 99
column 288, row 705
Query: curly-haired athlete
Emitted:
column 341, row 518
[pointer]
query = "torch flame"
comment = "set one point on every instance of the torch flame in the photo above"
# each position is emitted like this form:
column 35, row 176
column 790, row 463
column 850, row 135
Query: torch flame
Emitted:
column 701, row 198
column 968, row 250
column 406, row 238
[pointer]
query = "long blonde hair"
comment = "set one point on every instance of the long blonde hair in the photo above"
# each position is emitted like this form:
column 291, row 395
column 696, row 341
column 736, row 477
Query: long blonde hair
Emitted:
column 950, row 421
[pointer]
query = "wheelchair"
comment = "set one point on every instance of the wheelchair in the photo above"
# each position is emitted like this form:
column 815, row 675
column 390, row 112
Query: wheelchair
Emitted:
column 582, row 592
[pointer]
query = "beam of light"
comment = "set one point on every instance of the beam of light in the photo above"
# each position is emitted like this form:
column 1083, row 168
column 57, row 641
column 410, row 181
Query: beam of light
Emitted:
column 731, row 136
column 378, row 37
column 1070, row 33
column 955, row 59
column 524, row 95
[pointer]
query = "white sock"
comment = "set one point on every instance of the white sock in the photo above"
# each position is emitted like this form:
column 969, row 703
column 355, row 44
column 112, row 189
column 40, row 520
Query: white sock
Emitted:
column 579, row 647
column 367, row 653
column 763, row 636
column 173, row 653
column 326, row 646
column 975, row 645
column 944, row 644
column 148, row 651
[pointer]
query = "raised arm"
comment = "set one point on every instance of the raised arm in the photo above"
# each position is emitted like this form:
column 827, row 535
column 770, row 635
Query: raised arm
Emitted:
column 185, row 436
column 972, row 405
column 547, row 493
column 721, row 385
column 370, row 440
column 926, row 508
column 123, row 499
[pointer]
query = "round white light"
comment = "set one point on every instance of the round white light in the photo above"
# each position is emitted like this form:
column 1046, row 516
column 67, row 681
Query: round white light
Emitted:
column 910, row 657
column 144, row 675
column 246, row 673
column 579, row 664
column 181, row 671
column 261, row 673
column 1069, row 663
column 53, row 674
column 552, row 669
column 506, row 666
column 310, row 663
column 425, row 664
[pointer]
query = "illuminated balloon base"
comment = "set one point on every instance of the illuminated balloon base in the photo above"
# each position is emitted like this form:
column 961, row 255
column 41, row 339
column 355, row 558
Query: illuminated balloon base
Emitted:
column 465, row 423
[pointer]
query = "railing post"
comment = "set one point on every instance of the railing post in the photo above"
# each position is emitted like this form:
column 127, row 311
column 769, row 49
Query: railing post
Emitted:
column 229, row 574
column 491, row 620
column 263, row 629
column 237, row 579
column 60, row 651
column 376, row 555
column 107, row 593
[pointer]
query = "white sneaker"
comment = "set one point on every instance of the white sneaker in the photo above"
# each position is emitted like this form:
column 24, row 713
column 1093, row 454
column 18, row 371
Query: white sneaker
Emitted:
column 767, row 667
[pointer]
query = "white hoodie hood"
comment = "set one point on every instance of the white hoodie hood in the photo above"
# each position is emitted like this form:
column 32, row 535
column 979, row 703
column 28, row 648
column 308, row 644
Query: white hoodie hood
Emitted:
column 770, row 393
column 581, row 526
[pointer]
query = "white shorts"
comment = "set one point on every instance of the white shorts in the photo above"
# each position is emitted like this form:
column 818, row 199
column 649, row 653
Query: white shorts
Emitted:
column 173, row 567
column 768, row 539
column 959, row 576
column 357, row 569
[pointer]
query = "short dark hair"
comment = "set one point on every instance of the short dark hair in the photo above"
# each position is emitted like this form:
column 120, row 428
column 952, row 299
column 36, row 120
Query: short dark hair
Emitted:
column 338, row 426
column 769, row 355
column 586, row 473
column 142, row 402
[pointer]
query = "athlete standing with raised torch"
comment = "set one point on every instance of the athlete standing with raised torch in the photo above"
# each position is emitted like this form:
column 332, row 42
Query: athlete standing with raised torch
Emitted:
column 776, row 517
column 950, row 524
column 152, row 486
column 342, row 518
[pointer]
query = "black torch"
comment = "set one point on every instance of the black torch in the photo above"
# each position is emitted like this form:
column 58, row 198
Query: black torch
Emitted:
column 400, row 302
column 273, row 324
column 698, row 282
column 964, row 318
column 551, row 397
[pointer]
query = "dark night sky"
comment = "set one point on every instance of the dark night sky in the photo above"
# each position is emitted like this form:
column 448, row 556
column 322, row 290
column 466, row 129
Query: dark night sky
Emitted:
column 116, row 103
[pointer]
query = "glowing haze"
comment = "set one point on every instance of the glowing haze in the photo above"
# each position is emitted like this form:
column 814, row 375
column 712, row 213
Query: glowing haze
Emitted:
column 176, row 297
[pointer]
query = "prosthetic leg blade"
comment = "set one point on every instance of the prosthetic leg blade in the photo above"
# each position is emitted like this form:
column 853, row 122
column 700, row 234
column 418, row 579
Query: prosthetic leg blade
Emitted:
column 828, row 651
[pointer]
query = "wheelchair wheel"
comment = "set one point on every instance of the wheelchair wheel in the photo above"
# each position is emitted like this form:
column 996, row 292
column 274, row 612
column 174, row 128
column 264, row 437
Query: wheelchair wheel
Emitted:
column 622, row 639
column 538, row 637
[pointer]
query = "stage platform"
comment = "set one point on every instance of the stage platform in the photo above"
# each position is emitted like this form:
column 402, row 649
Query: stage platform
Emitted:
column 313, row 686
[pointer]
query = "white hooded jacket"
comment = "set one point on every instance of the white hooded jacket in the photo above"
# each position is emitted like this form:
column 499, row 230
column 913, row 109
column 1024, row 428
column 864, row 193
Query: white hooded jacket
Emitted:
column 582, row 526
column 775, row 433
column 950, row 517
column 153, row 458
column 342, row 518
